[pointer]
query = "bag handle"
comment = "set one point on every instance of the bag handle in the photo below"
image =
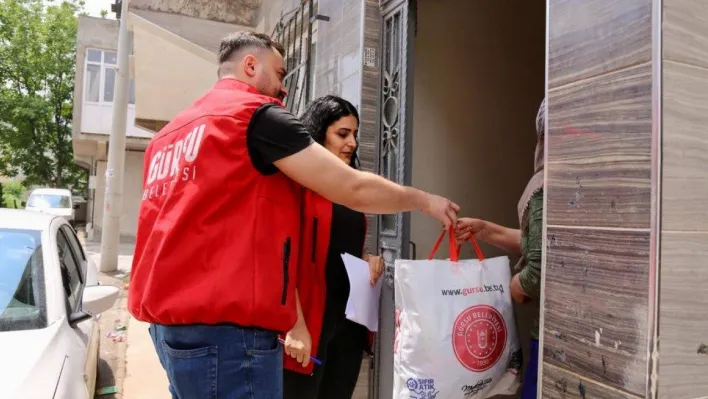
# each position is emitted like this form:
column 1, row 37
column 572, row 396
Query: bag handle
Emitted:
column 477, row 249
column 454, row 250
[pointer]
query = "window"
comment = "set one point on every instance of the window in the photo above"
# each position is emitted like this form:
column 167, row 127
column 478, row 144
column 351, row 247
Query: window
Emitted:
column 21, row 281
column 78, row 250
column 55, row 201
column 70, row 271
column 101, row 77
column 110, row 84
column 93, row 82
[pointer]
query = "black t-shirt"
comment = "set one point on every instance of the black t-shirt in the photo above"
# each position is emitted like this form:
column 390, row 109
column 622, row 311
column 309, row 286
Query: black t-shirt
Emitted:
column 273, row 134
column 347, row 236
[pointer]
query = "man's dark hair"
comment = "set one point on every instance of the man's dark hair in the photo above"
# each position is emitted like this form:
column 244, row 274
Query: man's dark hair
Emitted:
column 245, row 39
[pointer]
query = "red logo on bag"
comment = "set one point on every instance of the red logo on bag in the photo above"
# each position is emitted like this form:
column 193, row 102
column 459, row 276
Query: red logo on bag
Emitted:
column 479, row 337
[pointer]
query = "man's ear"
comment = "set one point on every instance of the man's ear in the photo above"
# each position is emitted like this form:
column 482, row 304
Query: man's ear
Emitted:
column 249, row 65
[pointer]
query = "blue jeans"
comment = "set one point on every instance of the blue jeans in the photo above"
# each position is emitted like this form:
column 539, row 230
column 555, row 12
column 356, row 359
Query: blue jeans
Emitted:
column 220, row 362
column 530, row 383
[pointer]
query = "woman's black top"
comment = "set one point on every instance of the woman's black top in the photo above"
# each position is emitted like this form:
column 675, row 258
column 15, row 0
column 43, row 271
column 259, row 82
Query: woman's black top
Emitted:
column 347, row 236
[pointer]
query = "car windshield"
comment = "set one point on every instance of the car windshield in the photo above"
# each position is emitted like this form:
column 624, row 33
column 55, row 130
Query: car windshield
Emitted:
column 22, row 299
column 49, row 201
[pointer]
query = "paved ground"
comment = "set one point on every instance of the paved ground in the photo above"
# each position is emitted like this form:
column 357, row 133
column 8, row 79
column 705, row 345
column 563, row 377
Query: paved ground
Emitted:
column 127, row 358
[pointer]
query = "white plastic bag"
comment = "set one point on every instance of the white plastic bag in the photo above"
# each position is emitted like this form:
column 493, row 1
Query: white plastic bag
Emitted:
column 455, row 334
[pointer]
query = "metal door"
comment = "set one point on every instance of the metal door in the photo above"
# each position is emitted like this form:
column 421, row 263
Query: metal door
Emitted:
column 395, row 164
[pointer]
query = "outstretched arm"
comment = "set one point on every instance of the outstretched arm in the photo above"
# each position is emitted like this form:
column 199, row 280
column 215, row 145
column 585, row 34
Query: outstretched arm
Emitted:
column 322, row 172
column 277, row 138
column 501, row 237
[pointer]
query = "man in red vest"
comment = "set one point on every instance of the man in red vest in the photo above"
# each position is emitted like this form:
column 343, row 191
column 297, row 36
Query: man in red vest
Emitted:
column 218, row 231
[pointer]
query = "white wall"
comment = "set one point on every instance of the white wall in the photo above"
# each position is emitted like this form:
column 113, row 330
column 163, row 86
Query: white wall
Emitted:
column 94, row 33
column 132, row 193
column 98, row 118
column 170, row 74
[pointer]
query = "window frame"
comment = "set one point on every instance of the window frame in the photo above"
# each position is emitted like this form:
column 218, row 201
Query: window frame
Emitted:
column 103, row 65
column 78, row 250
column 82, row 279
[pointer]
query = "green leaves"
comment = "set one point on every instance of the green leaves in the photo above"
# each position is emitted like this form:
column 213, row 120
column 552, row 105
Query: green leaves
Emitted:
column 37, row 53
column 12, row 194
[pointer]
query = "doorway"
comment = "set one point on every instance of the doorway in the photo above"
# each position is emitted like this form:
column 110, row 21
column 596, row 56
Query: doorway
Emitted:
column 477, row 71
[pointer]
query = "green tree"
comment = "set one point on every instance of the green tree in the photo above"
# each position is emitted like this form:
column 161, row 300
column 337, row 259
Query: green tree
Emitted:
column 37, row 53
column 104, row 13
column 12, row 193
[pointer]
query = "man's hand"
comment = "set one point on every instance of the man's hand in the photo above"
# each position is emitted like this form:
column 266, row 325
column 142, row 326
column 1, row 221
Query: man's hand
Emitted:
column 376, row 268
column 517, row 293
column 298, row 343
column 468, row 227
column 441, row 208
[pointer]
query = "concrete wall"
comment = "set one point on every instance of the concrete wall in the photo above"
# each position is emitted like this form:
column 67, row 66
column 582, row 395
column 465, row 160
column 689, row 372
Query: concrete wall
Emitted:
column 338, row 61
column 270, row 13
column 203, row 32
column 132, row 193
column 170, row 73
column 242, row 12
column 96, row 33
column 683, row 355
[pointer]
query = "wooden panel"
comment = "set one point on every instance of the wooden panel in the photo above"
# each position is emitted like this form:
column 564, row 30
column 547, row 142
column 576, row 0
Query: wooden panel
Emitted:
column 560, row 384
column 599, row 156
column 589, row 38
column 685, row 31
column 685, row 148
column 596, row 305
column 683, row 325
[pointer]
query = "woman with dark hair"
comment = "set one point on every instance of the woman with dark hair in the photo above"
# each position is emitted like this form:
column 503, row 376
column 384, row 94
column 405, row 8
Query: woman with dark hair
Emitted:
column 328, row 231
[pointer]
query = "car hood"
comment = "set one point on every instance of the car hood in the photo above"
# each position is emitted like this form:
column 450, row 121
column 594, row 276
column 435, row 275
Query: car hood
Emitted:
column 31, row 362
column 51, row 211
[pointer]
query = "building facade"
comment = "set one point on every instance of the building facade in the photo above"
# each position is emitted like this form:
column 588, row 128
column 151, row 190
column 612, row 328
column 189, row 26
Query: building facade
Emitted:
column 96, row 57
column 448, row 92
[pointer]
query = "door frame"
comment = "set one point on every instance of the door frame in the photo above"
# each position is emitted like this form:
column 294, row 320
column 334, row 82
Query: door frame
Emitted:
column 396, row 243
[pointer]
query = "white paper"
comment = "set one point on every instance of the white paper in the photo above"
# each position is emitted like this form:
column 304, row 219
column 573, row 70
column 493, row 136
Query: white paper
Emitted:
column 363, row 302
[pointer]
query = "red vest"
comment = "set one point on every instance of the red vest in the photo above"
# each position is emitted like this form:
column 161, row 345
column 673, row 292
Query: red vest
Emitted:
column 217, row 241
column 311, row 283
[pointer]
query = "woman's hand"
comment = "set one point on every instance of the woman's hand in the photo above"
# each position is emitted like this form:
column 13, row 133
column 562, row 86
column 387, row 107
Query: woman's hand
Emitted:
column 517, row 292
column 376, row 268
column 298, row 343
column 468, row 227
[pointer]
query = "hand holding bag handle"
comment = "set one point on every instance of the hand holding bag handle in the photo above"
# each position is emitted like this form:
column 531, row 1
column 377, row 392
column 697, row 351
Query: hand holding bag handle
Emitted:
column 455, row 250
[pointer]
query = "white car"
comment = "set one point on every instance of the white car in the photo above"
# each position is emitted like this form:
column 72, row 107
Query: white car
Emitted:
column 53, row 201
column 49, row 299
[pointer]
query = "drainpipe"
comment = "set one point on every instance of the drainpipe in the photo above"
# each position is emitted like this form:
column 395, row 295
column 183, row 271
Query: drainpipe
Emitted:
column 113, row 206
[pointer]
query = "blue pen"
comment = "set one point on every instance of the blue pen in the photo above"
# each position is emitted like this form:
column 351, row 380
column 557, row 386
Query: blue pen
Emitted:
column 314, row 359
